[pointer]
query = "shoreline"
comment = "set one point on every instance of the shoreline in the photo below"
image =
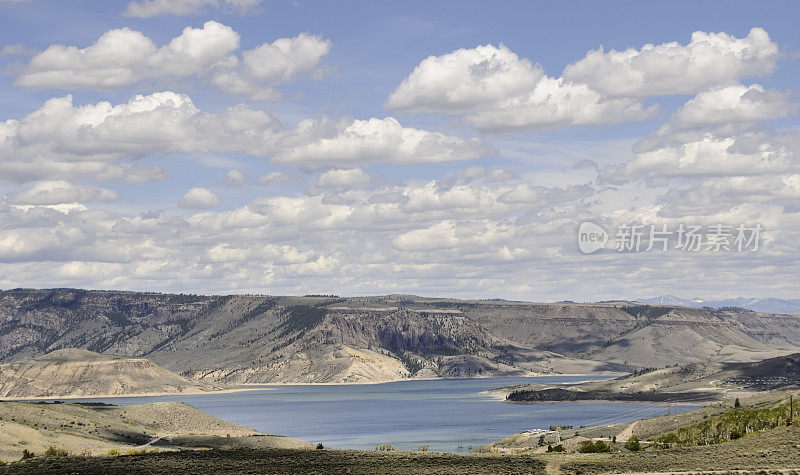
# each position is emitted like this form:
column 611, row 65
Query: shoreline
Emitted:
column 111, row 396
column 268, row 386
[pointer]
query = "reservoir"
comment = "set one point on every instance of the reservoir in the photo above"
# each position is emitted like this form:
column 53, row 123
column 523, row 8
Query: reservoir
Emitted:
column 448, row 415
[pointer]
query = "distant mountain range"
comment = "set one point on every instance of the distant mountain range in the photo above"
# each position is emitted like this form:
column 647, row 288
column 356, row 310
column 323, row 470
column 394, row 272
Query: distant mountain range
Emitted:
column 756, row 304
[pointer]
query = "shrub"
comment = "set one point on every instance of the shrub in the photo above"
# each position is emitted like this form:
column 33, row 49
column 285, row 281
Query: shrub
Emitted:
column 112, row 452
column 589, row 447
column 386, row 448
column 423, row 448
column 737, row 404
column 136, row 451
column 482, row 449
column 633, row 444
column 559, row 448
column 320, row 446
column 53, row 451
column 27, row 454
column 668, row 439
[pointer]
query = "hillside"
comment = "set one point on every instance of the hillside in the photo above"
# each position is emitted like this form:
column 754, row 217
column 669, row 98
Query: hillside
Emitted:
column 73, row 372
column 262, row 339
column 94, row 429
column 689, row 383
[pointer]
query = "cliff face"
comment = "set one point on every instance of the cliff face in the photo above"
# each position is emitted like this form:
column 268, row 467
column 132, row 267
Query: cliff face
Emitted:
column 76, row 372
column 262, row 339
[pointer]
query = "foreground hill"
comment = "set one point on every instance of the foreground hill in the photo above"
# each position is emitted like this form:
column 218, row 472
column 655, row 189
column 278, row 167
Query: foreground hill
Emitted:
column 689, row 383
column 73, row 372
column 96, row 429
column 261, row 339
column 773, row 450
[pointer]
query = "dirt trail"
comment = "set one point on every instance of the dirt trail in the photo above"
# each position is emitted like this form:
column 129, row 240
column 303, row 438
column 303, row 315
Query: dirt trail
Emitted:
column 627, row 433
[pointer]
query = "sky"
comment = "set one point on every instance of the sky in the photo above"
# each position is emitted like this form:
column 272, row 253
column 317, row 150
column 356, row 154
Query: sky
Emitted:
column 434, row 148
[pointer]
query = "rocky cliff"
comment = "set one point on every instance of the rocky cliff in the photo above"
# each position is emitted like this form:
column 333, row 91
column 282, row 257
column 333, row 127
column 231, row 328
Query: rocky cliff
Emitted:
column 260, row 339
column 74, row 372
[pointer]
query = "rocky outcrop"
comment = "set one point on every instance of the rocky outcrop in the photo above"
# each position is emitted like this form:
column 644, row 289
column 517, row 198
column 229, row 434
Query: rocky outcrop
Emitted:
column 267, row 339
column 74, row 372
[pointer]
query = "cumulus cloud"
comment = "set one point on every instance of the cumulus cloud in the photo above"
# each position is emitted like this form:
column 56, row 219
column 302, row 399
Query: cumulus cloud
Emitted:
column 15, row 50
column 343, row 178
column 99, row 140
column 123, row 57
column 465, row 79
column 711, row 154
column 60, row 192
column 494, row 89
column 273, row 179
column 63, row 139
column 375, row 140
column 556, row 103
column 708, row 60
column 273, row 63
column 235, row 178
column 736, row 103
column 479, row 172
column 151, row 8
column 199, row 198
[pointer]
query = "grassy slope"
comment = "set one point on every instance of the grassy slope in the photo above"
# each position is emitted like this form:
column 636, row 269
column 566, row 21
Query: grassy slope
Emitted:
column 284, row 461
column 771, row 450
column 96, row 429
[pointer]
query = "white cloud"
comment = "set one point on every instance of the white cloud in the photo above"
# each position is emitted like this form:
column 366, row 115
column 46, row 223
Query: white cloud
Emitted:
column 151, row 8
column 438, row 236
column 556, row 103
column 478, row 172
column 199, row 198
column 62, row 139
column 60, row 192
column 708, row 60
column 734, row 104
column 465, row 79
column 235, row 178
column 375, row 140
column 273, row 63
column 273, row 179
column 340, row 180
column 711, row 154
column 123, row 57
column 493, row 89
column 15, row 50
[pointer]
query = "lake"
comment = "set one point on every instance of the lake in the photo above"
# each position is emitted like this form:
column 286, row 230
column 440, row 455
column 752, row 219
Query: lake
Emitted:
column 449, row 415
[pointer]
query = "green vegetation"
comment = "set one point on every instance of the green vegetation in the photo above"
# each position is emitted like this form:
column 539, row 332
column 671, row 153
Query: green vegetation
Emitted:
column 633, row 444
column 54, row 451
column 285, row 461
column 320, row 446
column 136, row 451
column 593, row 447
column 112, row 452
column 554, row 428
column 730, row 425
column 557, row 448
column 27, row 454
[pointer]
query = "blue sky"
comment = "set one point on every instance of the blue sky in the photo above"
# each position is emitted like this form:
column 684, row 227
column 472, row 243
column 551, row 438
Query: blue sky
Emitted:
column 304, row 147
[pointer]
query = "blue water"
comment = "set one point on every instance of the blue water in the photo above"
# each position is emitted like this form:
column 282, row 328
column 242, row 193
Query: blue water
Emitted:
column 449, row 415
